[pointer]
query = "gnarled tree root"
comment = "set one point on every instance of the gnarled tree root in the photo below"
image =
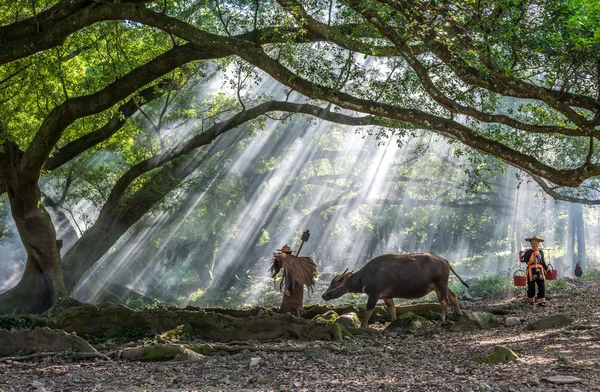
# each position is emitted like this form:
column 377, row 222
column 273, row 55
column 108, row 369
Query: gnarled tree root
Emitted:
column 70, row 354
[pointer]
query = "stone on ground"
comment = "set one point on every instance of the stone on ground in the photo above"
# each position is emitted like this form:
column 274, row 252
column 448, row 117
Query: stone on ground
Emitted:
column 349, row 320
column 406, row 323
column 554, row 321
column 499, row 355
column 512, row 321
column 473, row 321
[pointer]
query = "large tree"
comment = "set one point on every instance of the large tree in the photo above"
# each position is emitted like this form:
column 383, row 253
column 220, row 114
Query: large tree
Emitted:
column 517, row 80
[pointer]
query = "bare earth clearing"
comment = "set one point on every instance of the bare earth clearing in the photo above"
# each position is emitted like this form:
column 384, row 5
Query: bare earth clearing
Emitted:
column 439, row 360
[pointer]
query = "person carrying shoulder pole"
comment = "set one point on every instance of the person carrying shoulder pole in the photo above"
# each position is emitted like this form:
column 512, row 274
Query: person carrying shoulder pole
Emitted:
column 535, row 272
column 287, row 281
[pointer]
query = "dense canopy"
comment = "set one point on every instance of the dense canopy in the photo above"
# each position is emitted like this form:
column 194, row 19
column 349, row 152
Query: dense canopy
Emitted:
column 517, row 80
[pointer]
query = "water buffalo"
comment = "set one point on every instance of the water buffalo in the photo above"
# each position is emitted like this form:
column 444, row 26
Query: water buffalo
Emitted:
column 398, row 276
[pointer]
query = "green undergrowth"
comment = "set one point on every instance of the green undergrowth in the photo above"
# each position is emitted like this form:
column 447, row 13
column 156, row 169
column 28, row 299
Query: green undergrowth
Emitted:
column 486, row 286
column 591, row 274
column 12, row 322
column 22, row 321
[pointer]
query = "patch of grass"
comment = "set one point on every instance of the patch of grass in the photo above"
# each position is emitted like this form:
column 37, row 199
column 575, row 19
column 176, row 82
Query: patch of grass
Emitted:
column 574, row 293
column 558, row 284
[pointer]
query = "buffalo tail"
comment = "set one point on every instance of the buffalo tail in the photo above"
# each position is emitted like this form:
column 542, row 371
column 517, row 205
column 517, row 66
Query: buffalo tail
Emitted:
column 454, row 272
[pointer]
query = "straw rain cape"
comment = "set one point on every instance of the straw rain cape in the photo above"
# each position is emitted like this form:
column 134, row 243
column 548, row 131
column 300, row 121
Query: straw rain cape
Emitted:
column 300, row 269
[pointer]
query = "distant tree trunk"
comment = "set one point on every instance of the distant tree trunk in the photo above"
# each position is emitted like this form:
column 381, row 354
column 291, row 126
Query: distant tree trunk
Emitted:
column 518, row 219
column 571, row 232
column 42, row 282
column 295, row 301
column 442, row 237
column 580, row 232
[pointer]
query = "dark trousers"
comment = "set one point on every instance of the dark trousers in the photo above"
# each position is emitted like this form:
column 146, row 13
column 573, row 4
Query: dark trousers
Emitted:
column 541, row 284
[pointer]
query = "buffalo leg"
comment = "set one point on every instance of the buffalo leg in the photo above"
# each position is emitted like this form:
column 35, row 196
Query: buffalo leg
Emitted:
column 371, row 302
column 442, row 295
column 391, row 307
column 454, row 302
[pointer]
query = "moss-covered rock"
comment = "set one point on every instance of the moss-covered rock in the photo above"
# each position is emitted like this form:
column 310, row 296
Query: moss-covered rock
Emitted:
column 328, row 317
column 406, row 323
column 473, row 321
column 554, row 321
column 380, row 314
column 499, row 355
column 318, row 330
column 160, row 352
column 40, row 340
column 349, row 320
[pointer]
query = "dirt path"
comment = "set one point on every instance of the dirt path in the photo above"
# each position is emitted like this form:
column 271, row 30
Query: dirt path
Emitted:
column 435, row 362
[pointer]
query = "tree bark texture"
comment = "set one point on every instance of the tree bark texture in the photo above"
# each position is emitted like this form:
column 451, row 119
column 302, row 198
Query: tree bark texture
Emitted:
column 42, row 282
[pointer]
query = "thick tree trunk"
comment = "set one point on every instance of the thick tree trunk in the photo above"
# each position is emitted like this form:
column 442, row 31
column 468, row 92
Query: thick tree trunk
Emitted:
column 42, row 282
column 295, row 301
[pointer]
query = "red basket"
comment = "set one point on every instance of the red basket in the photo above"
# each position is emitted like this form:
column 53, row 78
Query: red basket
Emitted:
column 552, row 274
column 520, row 280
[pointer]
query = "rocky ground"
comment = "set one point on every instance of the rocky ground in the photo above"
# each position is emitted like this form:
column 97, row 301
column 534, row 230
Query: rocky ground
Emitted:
column 431, row 359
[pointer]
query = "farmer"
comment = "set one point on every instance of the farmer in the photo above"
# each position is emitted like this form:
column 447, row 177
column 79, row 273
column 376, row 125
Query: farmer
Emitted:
column 536, row 271
column 287, row 283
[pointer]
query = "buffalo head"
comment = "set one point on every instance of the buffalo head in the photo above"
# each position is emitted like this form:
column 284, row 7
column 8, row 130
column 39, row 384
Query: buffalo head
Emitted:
column 337, row 288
